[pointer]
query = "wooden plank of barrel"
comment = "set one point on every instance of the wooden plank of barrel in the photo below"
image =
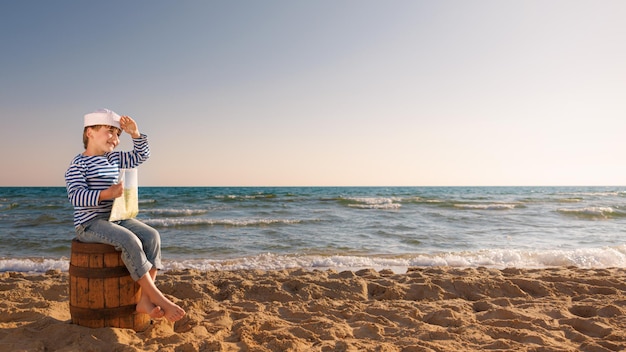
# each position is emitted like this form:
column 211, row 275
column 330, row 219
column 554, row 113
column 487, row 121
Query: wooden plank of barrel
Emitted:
column 102, row 292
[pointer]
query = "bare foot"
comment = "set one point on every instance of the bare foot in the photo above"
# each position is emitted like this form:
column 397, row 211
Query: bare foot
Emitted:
column 172, row 311
column 152, row 297
column 146, row 307
column 156, row 313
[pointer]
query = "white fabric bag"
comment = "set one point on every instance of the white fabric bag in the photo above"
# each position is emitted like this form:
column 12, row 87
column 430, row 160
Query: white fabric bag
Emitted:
column 127, row 205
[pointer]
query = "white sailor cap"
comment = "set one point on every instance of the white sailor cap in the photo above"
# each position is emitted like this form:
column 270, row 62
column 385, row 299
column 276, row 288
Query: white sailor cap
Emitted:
column 102, row 117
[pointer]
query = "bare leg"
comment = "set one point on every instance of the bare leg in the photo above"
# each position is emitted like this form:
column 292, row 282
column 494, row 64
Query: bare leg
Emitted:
column 153, row 302
column 146, row 306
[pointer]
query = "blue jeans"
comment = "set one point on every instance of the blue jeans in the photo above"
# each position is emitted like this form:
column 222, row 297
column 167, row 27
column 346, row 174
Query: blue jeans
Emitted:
column 140, row 244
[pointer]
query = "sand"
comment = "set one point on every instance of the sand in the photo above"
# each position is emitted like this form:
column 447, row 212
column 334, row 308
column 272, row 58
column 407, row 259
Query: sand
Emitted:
column 425, row 309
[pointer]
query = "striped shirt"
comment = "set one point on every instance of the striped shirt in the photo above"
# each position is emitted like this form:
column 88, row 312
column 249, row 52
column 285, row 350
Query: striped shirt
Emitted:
column 87, row 176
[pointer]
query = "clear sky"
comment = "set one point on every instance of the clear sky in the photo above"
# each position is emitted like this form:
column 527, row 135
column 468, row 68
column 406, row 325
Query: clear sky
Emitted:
column 321, row 93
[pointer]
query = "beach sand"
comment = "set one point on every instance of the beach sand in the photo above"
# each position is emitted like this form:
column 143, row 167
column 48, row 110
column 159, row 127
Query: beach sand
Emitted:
column 425, row 309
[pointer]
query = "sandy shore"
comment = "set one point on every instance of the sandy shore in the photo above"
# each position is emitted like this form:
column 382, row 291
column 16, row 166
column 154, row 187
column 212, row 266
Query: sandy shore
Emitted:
column 430, row 309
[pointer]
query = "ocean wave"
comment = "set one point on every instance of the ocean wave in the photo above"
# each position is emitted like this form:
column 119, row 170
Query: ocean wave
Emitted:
column 464, row 204
column 177, row 212
column 570, row 200
column 421, row 200
column 595, row 194
column 33, row 265
column 239, row 197
column 488, row 206
column 397, row 202
column 494, row 258
column 186, row 222
column 41, row 220
column 9, row 206
column 371, row 202
column 593, row 213
column 376, row 206
column 498, row 258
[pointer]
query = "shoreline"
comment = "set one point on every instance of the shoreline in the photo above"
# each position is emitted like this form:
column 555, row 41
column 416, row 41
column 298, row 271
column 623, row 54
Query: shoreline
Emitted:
column 496, row 258
column 424, row 309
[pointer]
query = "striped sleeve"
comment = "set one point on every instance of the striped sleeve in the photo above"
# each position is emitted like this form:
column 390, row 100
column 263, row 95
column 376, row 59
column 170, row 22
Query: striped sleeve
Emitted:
column 78, row 190
column 133, row 158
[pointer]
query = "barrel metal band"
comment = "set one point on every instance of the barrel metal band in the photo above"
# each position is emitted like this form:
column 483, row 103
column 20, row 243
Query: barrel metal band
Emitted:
column 98, row 273
column 102, row 313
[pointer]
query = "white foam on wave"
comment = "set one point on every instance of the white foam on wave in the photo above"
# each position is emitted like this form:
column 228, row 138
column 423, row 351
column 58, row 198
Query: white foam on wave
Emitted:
column 177, row 212
column 376, row 206
column 173, row 222
column 33, row 265
column 373, row 203
column 245, row 196
column 493, row 206
column 594, row 212
column 595, row 194
column 583, row 258
column 494, row 258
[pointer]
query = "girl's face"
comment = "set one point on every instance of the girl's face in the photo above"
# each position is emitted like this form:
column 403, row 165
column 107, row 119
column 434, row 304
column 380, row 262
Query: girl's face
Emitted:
column 103, row 139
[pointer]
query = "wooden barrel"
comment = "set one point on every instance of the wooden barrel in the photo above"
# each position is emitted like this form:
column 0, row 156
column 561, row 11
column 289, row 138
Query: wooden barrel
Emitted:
column 102, row 292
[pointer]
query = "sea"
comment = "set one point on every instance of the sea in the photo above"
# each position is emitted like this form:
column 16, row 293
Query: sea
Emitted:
column 340, row 228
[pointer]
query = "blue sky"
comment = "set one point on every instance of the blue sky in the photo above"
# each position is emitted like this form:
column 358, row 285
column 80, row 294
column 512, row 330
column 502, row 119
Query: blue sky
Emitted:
column 292, row 93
